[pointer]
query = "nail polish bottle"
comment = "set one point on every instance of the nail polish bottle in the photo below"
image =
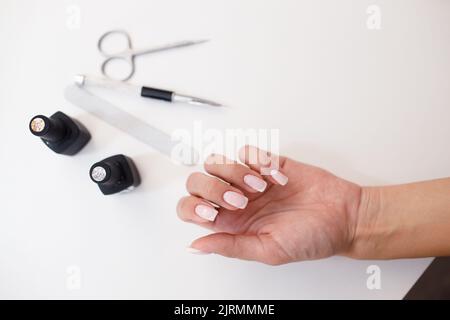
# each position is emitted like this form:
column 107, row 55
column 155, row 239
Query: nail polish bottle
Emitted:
column 115, row 174
column 60, row 133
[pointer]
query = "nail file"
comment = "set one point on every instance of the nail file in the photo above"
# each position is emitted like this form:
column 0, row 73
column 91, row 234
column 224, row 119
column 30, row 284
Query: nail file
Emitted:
column 131, row 125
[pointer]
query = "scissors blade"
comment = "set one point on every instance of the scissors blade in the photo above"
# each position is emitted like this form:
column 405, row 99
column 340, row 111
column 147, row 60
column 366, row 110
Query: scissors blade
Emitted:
column 169, row 46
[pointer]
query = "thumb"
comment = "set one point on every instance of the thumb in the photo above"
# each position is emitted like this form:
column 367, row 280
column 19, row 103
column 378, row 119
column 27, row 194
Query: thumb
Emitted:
column 246, row 247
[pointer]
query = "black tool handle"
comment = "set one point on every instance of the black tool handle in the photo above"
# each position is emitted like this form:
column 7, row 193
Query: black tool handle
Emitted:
column 156, row 94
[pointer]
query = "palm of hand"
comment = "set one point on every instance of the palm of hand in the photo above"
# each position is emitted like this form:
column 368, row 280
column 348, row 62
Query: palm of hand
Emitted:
column 312, row 217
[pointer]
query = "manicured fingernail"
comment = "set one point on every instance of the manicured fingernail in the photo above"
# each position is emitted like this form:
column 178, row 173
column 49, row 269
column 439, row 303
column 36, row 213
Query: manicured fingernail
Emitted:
column 235, row 199
column 255, row 183
column 279, row 177
column 206, row 212
column 196, row 251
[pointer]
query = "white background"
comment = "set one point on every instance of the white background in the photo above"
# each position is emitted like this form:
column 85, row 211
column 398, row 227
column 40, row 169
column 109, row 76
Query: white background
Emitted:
column 371, row 106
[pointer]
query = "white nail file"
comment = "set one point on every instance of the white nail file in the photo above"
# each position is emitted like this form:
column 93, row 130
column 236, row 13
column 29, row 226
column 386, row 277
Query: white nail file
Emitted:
column 131, row 125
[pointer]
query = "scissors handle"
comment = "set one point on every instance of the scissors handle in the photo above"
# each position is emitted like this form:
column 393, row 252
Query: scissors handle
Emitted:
column 123, row 53
column 109, row 61
column 126, row 55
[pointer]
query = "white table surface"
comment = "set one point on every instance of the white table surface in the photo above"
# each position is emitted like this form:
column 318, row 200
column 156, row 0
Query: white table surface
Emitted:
column 371, row 106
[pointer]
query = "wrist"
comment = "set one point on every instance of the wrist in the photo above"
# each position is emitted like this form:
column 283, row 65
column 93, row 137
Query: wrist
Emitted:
column 369, row 235
column 402, row 221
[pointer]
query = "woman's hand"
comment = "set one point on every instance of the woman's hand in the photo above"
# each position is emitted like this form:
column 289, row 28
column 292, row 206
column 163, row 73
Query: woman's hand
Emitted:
column 298, row 212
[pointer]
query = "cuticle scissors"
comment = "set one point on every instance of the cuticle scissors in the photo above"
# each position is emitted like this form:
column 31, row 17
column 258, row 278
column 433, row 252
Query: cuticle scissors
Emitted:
column 129, row 54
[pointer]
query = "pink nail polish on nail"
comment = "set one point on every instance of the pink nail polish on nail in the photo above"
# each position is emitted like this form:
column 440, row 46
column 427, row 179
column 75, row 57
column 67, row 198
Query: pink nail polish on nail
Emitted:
column 206, row 212
column 255, row 183
column 235, row 199
column 279, row 177
column 196, row 251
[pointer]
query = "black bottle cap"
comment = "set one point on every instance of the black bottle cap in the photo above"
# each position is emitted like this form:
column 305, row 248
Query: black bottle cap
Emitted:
column 60, row 133
column 107, row 174
column 47, row 129
column 115, row 174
